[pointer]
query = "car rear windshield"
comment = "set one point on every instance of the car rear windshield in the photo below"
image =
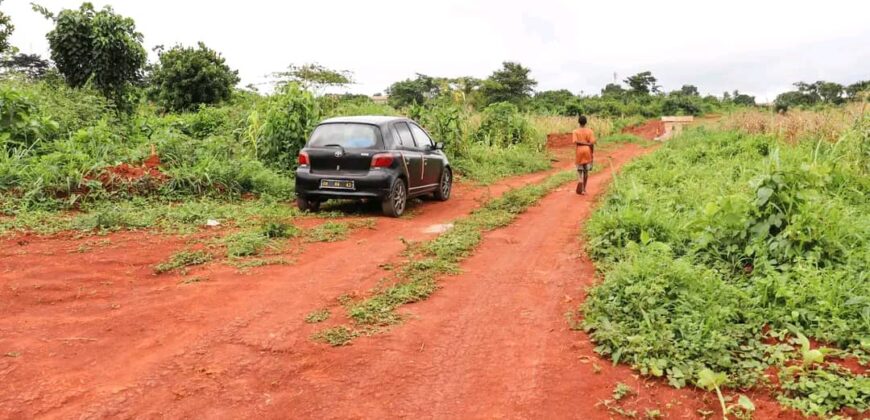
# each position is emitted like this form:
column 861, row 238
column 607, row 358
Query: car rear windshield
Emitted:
column 346, row 135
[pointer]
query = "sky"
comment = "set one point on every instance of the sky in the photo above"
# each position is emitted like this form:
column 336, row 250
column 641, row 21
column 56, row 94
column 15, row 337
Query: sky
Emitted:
column 759, row 47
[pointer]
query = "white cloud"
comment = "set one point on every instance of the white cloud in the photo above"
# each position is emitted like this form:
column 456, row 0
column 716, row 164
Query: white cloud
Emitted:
column 755, row 46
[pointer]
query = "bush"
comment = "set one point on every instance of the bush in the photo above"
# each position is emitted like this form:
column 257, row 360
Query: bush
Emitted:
column 503, row 125
column 446, row 121
column 99, row 47
column 188, row 77
column 290, row 116
column 719, row 242
column 20, row 125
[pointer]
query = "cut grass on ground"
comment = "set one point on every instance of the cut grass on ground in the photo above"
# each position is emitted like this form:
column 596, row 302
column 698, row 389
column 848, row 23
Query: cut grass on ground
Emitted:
column 183, row 259
column 416, row 279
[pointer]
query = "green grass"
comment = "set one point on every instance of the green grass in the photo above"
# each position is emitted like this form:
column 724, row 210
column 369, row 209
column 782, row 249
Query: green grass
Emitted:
column 718, row 243
column 417, row 278
column 319, row 315
column 335, row 231
column 153, row 214
column 486, row 165
column 183, row 259
column 336, row 336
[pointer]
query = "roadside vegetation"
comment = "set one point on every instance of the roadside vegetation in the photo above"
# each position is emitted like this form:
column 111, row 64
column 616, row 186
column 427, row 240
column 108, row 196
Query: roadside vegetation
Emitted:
column 730, row 254
column 97, row 129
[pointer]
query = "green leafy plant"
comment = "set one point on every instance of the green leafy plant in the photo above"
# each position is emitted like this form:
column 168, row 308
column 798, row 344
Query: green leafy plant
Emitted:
column 719, row 242
column 183, row 259
column 319, row 315
column 290, row 116
column 100, row 47
column 187, row 77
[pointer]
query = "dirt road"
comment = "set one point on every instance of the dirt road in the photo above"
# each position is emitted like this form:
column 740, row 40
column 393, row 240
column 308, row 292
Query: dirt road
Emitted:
column 98, row 335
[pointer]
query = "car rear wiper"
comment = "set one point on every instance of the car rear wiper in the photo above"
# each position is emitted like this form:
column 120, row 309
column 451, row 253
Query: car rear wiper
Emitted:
column 344, row 152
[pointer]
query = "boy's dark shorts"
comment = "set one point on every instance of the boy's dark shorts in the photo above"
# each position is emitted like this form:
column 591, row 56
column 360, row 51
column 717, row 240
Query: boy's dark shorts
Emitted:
column 586, row 166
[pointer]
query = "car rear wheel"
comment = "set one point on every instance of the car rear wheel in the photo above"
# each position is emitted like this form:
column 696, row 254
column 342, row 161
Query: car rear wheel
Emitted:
column 305, row 204
column 445, row 186
column 394, row 203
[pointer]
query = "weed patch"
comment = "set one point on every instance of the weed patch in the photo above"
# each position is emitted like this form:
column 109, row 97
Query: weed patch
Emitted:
column 336, row 336
column 183, row 259
column 720, row 243
column 319, row 315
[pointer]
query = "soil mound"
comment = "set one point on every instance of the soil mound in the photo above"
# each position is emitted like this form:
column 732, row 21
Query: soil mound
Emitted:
column 649, row 130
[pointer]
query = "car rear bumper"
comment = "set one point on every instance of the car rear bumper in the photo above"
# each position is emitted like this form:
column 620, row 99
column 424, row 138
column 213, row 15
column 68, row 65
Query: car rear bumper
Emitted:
column 373, row 184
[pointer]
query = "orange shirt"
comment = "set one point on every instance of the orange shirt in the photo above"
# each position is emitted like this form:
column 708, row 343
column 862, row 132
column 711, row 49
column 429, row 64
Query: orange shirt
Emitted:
column 584, row 153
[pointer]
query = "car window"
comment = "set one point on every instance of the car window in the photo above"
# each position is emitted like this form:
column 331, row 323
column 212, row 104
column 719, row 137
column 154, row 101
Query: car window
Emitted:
column 405, row 135
column 420, row 136
column 347, row 135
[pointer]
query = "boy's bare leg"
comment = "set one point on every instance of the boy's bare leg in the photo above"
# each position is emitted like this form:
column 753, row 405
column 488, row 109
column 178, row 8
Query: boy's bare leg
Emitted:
column 585, row 179
column 580, row 184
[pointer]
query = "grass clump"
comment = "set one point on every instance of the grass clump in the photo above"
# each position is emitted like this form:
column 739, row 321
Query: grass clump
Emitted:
column 336, row 336
column 319, row 315
column 183, row 259
column 720, row 242
column 821, row 390
column 245, row 244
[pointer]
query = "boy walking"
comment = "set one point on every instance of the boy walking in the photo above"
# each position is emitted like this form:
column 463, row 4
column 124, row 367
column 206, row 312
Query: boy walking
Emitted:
column 584, row 142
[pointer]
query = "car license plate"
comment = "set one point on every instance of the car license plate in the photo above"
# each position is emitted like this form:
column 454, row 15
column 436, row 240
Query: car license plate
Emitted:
column 336, row 184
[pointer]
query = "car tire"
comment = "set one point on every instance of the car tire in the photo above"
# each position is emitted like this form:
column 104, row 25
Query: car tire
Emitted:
column 445, row 187
column 394, row 203
column 305, row 204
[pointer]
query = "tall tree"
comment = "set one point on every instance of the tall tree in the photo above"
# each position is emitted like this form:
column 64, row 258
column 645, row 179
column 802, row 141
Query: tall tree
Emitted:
column 830, row 92
column 613, row 90
column 511, row 83
column 413, row 91
column 101, row 47
column 6, row 28
column 689, row 90
column 642, row 83
column 314, row 77
column 743, row 99
column 186, row 77
column 855, row 89
column 31, row 65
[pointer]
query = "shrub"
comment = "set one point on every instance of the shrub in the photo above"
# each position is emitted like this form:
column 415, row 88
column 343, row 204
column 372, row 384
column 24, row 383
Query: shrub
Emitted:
column 446, row 121
column 100, row 47
column 187, row 77
column 290, row 116
column 503, row 125
column 721, row 241
column 20, row 125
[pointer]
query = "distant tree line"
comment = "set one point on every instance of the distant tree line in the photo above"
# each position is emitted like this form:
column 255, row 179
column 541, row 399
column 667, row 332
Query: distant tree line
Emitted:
column 640, row 95
column 102, row 49
column 820, row 93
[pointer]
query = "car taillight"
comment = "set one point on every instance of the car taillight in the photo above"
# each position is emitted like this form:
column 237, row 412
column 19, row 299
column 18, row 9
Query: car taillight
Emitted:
column 382, row 160
column 303, row 159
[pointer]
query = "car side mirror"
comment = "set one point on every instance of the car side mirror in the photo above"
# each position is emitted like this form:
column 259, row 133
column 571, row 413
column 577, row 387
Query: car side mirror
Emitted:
column 439, row 146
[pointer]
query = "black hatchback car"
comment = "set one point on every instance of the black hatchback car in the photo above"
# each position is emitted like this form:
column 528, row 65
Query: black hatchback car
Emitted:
column 390, row 159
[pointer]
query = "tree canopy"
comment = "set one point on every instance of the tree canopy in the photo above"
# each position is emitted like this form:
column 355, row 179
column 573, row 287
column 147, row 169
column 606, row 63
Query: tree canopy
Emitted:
column 6, row 28
column 511, row 83
column 313, row 76
column 642, row 83
column 186, row 77
column 100, row 47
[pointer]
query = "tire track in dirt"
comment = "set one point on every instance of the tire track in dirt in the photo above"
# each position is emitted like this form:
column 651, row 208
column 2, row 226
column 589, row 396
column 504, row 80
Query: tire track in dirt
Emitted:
column 87, row 326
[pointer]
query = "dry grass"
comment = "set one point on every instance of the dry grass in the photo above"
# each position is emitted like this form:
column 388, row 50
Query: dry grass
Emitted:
column 546, row 124
column 827, row 124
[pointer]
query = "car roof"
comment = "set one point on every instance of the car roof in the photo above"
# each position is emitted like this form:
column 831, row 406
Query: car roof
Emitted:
column 364, row 119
